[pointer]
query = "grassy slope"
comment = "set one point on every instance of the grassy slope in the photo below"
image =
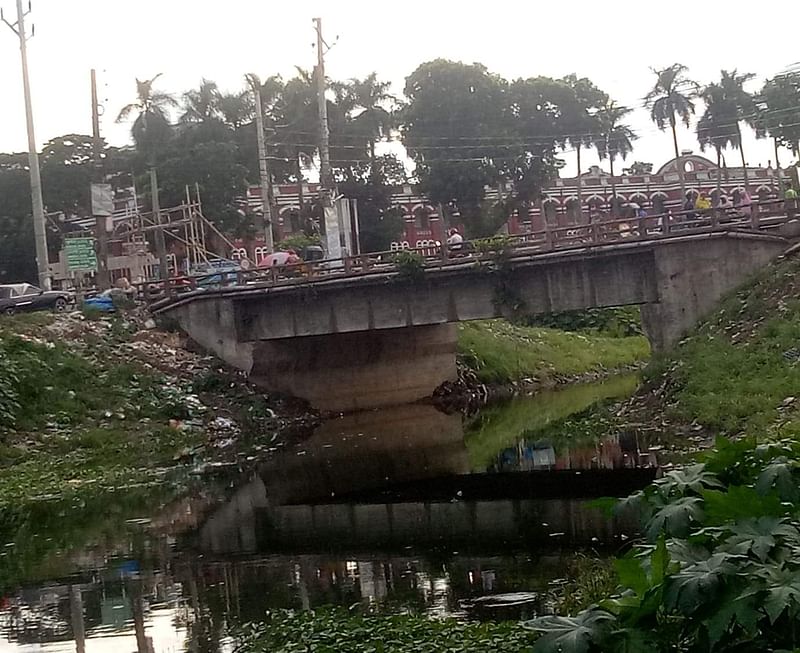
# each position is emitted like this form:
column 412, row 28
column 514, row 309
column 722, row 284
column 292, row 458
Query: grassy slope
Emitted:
column 68, row 421
column 499, row 352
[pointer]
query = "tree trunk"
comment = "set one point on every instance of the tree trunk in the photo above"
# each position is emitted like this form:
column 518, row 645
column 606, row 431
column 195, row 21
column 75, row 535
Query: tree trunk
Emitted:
column 744, row 160
column 678, row 159
column 580, row 185
column 778, row 169
column 299, row 174
column 719, row 174
column 613, row 186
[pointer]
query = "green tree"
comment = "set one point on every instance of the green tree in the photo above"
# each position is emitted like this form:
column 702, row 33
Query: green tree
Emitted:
column 616, row 138
column 744, row 104
column 201, row 105
column 151, row 129
column 236, row 109
column 715, row 127
column 454, row 128
column 579, row 116
column 779, row 114
column 672, row 99
column 367, row 105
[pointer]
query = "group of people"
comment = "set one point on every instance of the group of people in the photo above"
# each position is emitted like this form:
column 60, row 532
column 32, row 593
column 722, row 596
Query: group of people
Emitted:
column 702, row 204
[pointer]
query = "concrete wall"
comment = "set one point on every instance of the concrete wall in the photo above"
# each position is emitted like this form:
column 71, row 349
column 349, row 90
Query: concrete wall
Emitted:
column 693, row 275
column 357, row 371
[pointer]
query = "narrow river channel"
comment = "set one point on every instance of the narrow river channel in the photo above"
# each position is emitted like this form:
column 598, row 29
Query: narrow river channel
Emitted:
column 403, row 509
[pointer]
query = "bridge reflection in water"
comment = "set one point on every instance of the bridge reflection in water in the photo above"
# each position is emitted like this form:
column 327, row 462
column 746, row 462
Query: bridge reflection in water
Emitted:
column 402, row 478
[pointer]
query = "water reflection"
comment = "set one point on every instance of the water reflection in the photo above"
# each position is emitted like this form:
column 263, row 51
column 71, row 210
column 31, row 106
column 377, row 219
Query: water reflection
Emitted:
column 401, row 508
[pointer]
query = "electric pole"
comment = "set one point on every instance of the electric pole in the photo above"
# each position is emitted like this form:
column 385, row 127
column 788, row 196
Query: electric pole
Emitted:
column 101, row 233
column 39, row 228
column 161, row 247
column 332, row 231
column 266, row 207
column 325, row 176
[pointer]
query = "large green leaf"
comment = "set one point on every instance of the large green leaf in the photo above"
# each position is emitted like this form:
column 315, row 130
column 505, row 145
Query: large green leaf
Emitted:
column 756, row 537
column 570, row 634
column 693, row 478
column 783, row 591
column 676, row 518
column 734, row 608
column 779, row 476
column 699, row 584
column 738, row 503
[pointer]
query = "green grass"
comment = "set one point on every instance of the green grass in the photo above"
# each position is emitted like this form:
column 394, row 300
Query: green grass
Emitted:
column 500, row 352
column 76, row 418
column 499, row 427
column 735, row 372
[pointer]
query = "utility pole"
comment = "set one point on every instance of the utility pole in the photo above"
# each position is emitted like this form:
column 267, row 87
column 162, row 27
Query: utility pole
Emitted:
column 39, row 229
column 266, row 207
column 100, row 227
column 332, row 235
column 326, row 178
column 161, row 247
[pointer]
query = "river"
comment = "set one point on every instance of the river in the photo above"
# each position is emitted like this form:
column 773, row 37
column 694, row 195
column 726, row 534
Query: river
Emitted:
column 403, row 509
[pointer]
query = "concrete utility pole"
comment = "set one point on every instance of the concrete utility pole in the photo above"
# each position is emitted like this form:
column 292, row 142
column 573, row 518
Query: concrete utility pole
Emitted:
column 161, row 247
column 266, row 207
column 333, row 239
column 326, row 178
column 39, row 231
column 101, row 234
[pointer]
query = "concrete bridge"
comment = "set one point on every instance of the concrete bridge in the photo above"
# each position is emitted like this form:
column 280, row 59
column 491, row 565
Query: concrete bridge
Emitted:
column 377, row 333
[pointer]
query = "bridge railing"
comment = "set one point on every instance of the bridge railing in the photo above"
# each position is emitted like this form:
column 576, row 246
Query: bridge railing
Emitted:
column 759, row 216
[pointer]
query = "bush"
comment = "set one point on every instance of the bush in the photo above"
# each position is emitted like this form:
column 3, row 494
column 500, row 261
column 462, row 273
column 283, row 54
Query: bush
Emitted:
column 719, row 569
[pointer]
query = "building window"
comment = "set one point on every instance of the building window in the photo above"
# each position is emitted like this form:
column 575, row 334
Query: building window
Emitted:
column 573, row 209
column 422, row 219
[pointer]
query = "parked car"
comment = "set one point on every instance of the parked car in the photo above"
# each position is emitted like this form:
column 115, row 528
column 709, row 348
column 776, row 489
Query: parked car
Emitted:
column 18, row 297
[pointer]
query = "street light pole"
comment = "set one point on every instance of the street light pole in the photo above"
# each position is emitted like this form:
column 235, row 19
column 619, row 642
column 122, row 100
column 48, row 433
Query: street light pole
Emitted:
column 39, row 230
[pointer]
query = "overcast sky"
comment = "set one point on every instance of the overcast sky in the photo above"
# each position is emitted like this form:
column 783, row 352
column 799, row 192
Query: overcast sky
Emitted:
column 613, row 42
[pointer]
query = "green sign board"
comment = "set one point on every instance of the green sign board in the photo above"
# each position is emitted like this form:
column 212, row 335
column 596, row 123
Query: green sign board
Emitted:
column 80, row 254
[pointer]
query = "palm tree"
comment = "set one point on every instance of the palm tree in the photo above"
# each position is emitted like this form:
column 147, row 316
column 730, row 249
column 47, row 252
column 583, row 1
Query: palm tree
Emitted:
column 579, row 116
column 369, row 103
column 616, row 138
column 744, row 106
column 236, row 109
column 151, row 128
column 201, row 105
column 671, row 99
column 716, row 126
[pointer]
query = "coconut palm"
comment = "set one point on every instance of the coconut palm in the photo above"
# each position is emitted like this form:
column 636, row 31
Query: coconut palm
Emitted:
column 236, row 109
column 716, row 126
column 672, row 99
column 151, row 129
column 579, row 117
column 201, row 105
column 743, row 105
column 368, row 103
column 616, row 138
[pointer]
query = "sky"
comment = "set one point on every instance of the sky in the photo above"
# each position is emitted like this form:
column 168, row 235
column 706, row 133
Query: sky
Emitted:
column 614, row 43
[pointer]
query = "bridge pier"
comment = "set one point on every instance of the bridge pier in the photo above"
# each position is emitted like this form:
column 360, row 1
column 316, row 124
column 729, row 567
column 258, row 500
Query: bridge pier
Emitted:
column 359, row 370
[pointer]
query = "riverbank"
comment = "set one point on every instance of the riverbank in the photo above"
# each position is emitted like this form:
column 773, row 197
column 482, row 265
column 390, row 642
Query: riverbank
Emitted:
column 98, row 405
column 498, row 360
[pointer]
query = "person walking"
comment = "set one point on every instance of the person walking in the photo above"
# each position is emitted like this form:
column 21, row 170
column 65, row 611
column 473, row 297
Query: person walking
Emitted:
column 790, row 202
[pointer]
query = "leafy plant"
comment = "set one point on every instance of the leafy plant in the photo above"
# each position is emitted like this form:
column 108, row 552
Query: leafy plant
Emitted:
column 410, row 266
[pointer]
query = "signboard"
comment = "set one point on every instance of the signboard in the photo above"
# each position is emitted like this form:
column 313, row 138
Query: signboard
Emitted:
column 102, row 200
column 80, row 254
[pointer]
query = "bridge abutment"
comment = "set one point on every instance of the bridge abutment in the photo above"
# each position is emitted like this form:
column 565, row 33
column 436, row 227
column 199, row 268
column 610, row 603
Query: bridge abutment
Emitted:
column 346, row 372
column 692, row 277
